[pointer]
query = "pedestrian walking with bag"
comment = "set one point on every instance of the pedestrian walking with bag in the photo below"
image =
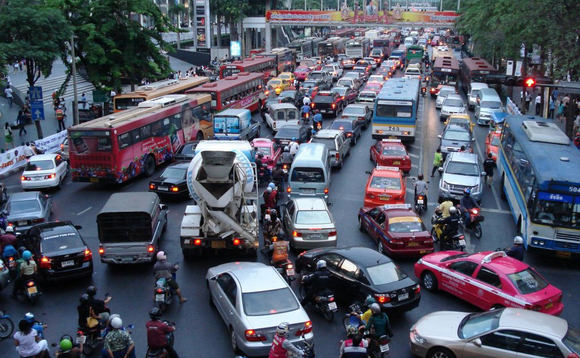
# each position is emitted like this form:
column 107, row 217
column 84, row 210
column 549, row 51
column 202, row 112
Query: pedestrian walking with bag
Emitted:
column 21, row 119
column 437, row 162
column 8, row 136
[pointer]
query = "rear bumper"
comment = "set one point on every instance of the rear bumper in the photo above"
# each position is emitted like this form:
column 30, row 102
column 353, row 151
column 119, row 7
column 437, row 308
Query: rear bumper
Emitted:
column 260, row 349
column 312, row 244
column 54, row 275
column 403, row 306
column 125, row 259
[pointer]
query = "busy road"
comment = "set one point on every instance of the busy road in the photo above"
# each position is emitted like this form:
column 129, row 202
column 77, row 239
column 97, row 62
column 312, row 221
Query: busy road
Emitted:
column 200, row 330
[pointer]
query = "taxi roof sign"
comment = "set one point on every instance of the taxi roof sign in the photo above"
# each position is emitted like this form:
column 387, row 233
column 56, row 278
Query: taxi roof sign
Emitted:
column 391, row 140
column 396, row 206
column 381, row 167
column 487, row 259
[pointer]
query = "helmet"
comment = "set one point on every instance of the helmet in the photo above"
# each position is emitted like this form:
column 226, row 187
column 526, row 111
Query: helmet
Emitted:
column 350, row 329
column 27, row 255
column 21, row 250
column 375, row 308
column 268, row 190
column 467, row 192
column 29, row 317
column 293, row 139
column 273, row 211
column 10, row 229
column 370, row 300
column 84, row 298
column 272, row 185
column 65, row 345
column 117, row 323
column 155, row 313
column 321, row 264
column 260, row 155
column 518, row 240
column 286, row 149
column 161, row 256
column 283, row 329
column 453, row 210
column 420, row 176
column 92, row 291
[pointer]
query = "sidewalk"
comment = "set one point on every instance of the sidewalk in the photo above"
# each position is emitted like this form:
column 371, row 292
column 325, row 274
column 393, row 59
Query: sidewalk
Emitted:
column 532, row 110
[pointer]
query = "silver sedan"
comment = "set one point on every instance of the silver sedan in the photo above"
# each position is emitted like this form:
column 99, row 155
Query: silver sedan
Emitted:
column 28, row 209
column 253, row 299
column 309, row 223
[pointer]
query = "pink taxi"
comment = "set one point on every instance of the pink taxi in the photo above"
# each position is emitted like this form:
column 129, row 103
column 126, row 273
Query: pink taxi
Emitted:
column 269, row 149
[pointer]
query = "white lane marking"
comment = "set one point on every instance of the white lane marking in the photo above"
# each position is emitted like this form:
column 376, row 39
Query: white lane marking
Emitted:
column 84, row 211
column 414, row 166
column 413, row 155
column 497, row 203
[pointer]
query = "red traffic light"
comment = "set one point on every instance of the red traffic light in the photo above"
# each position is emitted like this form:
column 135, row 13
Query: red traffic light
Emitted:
column 530, row 82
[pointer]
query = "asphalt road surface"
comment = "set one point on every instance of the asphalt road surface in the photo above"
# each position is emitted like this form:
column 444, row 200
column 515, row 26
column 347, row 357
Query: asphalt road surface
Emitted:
column 200, row 329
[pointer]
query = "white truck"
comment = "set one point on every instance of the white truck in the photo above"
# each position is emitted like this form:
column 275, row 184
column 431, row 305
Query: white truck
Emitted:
column 372, row 34
column 222, row 180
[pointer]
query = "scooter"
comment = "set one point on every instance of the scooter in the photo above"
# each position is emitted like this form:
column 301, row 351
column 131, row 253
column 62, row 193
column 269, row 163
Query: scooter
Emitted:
column 323, row 302
column 475, row 218
column 423, row 91
column 420, row 204
column 263, row 175
column 286, row 269
column 306, row 117
column 6, row 325
column 89, row 339
column 457, row 242
column 379, row 348
column 317, row 126
column 162, row 353
column 163, row 294
column 10, row 262
column 355, row 310
column 31, row 291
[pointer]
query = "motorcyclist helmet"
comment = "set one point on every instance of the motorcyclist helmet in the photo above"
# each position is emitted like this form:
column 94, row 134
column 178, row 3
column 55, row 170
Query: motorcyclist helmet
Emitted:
column 375, row 308
column 117, row 323
column 453, row 210
column 467, row 192
column 286, row 148
column 268, row 190
column 65, row 345
column 29, row 317
column 84, row 298
column 155, row 313
column 21, row 250
column 283, row 329
column 260, row 155
column 369, row 301
column 161, row 256
column 10, row 229
column 351, row 330
column 518, row 240
column 27, row 255
column 272, row 185
column 420, row 176
column 92, row 291
column 321, row 264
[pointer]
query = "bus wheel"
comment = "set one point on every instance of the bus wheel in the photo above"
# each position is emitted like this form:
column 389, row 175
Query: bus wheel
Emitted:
column 502, row 188
column 149, row 166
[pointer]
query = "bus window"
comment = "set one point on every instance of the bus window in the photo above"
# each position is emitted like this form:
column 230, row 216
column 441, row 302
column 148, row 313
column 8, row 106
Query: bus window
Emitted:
column 124, row 140
column 145, row 132
column 136, row 135
column 156, row 129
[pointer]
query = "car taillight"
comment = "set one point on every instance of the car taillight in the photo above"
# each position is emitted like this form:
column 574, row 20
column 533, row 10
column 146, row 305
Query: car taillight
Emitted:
column 236, row 242
column 197, row 242
column 337, row 156
column 36, row 221
column 333, row 105
column 174, row 189
column 325, row 190
column 61, row 146
column 332, row 233
column 288, row 190
column 382, row 298
column 23, row 178
column 150, row 248
column 50, row 176
column 253, row 336
column 342, row 97
column 532, row 307
column 307, row 328
column 88, row 255
column 296, row 233
column 417, row 289
column 45, row 262
column 312, row 105
column 152, row 186
column 101, row 250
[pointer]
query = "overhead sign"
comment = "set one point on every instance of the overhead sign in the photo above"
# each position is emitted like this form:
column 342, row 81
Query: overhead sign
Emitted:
column 358, row 16
column 35, row 94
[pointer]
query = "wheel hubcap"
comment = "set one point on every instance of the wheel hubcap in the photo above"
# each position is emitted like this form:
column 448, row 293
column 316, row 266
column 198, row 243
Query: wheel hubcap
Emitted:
column 428, row 281
column 380, row 247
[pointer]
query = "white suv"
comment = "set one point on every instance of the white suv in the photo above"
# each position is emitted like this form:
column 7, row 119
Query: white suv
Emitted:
column 334, row 70
column 44, row 171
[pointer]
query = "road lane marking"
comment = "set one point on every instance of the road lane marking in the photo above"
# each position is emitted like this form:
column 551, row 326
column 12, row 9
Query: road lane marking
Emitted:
column 84, row 211
column 413, row 155
column 128, row 185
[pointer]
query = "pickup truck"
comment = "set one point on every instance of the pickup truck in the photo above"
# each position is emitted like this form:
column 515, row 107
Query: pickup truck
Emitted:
column 328, row 102
column 337, row 143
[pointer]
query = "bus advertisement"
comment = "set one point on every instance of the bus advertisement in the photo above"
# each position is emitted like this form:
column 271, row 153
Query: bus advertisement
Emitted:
column 331, row 47
column 475, row 69
column 395, row 112
column 285, row 59
column 358, row 48
column 540, row 178
column 244, row 90
column 154, row 90
column 445, row 72
column 258, row 64
column 114, row 149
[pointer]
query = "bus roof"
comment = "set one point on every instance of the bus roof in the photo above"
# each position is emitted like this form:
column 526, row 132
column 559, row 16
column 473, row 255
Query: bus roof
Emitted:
column 400, row 89
column 227, row 82
column 162, row 88
column 557, row 162
column 446, row 62
column 478, row 64
column 234, row 113
column 250, row 61
column 357, row 40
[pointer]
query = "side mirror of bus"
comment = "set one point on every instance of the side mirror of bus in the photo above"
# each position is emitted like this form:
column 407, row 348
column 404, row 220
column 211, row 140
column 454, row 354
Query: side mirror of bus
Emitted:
column 439, row 136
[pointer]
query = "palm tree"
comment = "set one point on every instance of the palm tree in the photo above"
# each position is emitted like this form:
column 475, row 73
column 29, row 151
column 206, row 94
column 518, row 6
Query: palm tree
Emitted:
column 177, row 10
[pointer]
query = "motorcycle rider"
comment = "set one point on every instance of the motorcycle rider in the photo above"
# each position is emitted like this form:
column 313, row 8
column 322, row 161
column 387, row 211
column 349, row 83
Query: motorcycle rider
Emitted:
column 263, row 111
column 281, row 345
column 467, row 203
column 286, row 156
column 293, row 145
column 84, row 311
column 118, row 342
column 27, row 271
column 305, row 110
column 164, row 269
column 517, row 251
column 316, row 282
column 317, row 119
column 451, row 226
column 8, row 239
column 379, row 324
column 444, row 208
column 353, row 344
column 68, row 350
column 273, row 225
column 306, row 100
column 278, row 176
column 157, row 332
column 421, row 188
column 99, row 306
column 39, row 327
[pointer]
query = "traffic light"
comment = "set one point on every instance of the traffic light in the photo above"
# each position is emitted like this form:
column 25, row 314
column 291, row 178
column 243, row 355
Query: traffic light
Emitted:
column 530, row 82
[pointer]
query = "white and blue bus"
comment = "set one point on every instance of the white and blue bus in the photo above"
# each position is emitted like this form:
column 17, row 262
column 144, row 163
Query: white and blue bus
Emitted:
column 395, row 114
column 540, row 178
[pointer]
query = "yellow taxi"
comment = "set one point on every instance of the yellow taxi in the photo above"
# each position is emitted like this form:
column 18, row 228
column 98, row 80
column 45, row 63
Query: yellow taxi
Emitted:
column 385, row 186
column 462, row 120
column 277, row 85
column 288, row 76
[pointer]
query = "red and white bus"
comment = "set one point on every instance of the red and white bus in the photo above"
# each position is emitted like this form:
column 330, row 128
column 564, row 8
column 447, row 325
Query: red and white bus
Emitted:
column 360, row 32
column 285, row 58
column 256, row 51
column 260, row 64
column 114, row 149
column 346, row 33
column 244, row 90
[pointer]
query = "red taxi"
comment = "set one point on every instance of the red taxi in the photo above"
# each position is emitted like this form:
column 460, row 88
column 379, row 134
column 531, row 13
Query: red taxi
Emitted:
column 392, row 153
column 434, row 91
column 492, row 144
column 489, row 280
column 269, row 149
column 373, row 86
column 385, row 186
column 397, row 230
column 301, row 72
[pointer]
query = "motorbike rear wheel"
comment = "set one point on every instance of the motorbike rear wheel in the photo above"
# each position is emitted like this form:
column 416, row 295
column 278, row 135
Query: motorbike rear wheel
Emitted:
column 6, row 327
column 328, row 315
column 477, row 231
column 162, row 306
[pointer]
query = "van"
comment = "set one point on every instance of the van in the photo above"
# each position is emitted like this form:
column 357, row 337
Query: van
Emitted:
column 472, row 95
column 310, row 172
column 488, row 101
column 409, row 41
column 412, row 72
column 130, row 226
column 281, row 114
column 235, row 124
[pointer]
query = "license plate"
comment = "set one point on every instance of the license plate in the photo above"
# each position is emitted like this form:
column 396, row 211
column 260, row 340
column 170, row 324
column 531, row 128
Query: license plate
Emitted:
column 159, row 297
column 462, row 242
column 67, row 263
column 420, row 201
column 396, row 162
column 403, row 296
column 332, row 306
column 413, row 244
column 163, row 188
column 32, row 290
column 36, row 178
column 384, row 348
column 384, row 197
column 323, row 111
column 290, row 272
column 94, row 180
column 563, row 254
column 218, row 244
column 307, row 191
column 315, row 236
column 22, row 223
column 549, row 305
column 81, row 339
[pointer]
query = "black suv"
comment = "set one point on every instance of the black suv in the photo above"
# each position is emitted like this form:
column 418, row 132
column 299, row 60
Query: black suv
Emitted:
column 59, row 250
column 328, row 102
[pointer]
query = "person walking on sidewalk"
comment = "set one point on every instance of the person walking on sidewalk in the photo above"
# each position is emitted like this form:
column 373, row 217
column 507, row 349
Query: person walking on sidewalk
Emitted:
column 60, row 117
column 8, row 138
column 551, row 108
column 538, row 104
column 8, row 92
column 528, row 101
column 21, row 122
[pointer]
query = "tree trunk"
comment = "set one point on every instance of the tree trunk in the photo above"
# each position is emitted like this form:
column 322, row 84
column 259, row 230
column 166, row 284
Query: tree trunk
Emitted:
column 219, row 33
column 31, row 79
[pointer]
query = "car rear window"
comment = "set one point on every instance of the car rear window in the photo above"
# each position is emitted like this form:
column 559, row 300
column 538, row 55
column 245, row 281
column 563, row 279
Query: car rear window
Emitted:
column 453, row 102
column 385, row 273
column 23, row 207
column 340, row 91
column 342, row 125
column 269, row 302
column 59, row 242
column 264, row 150
column 386, row 183
column 324, row 98
column 314, row 217
column 39, row 165
column 174, row 173
column 328, row 142
column 286, row 132
column 353, row 111
column 394, row 151
column 315, row 75
column 528, row 281
column 495, row 142
column 406, row 227
column 307, row 175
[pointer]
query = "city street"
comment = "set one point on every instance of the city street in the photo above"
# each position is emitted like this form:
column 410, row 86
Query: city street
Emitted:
column 200, row 329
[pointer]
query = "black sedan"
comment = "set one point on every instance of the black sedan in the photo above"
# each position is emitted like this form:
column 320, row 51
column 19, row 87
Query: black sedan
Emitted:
column 291, row 96
column 172, row 182
column 285, row 134
column 357, row 272
column 186, row 151
column 350, row 127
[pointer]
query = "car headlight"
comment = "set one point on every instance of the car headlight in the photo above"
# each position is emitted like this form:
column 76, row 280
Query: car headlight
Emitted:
column 476, row 188
column 445, row 186
column 418, row 337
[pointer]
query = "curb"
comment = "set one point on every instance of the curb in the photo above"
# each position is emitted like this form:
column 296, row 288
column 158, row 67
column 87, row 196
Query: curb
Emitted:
column 10, row 173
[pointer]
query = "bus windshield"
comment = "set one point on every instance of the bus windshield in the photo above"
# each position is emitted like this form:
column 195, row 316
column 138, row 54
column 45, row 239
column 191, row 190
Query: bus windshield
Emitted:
column 227, row 125
column 386, row 110
column 558, row 210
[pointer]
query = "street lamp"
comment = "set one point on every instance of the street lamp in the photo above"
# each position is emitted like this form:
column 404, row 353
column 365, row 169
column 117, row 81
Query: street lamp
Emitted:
column 74, row 74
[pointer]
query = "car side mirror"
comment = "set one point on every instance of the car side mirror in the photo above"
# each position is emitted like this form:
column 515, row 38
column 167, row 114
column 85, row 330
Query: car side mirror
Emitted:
column 473, row 139
column 367, row 172
column 78, row 227
column 477, row 342
column 439, row 136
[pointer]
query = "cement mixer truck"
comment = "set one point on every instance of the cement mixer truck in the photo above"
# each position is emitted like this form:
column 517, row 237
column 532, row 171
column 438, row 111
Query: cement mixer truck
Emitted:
column 222, row 180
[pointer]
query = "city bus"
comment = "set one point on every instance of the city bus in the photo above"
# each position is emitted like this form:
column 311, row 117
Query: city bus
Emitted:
column 344, row 33
column 414, row 51
column 475, row 69
column 395, row 112
column 361, row 31
column 256, row 51
column 331, row 47
column 303, row 48
column 358, row 48
column 445, row 72
column 539, row 169
column 385, row 43
column 259, row 64
column 244, row 90
column 285, row 59
column 114, row 149
column 154, row 90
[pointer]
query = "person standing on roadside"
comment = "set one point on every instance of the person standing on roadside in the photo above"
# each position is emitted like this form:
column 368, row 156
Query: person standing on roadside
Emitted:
column 60, row 117
column 528, row 101
column 21, row 122
column 538, row 104
column 488, row 166
column 437, row 162
column 551, row 108
column 8, row 92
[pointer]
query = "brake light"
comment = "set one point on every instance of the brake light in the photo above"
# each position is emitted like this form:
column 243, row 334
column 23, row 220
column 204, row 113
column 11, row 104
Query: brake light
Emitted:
column 174, row 189
column 197, row 242
column 252, row 336
column 88, row 255
column 61, row 146
column 30, row 283
column 474, row 211
column 159, row 290
column 50, row 176
column 337, row 156
column 325, row 190
column 101, row 250
column 420, row 197
column 236, row 242
column 312, row 105
column 45, row 262
column 382, row 298
column 332, row 233
column 274, row 238
column 296, row 233
column 417, row 289
column 152, row 186
column 289, row 266
column 288, row 190
column 307, row 328
column 333, row 105
column 342, row 97
column 348, row 134
column 150, row 248
column 285, row 166
column 36, row 221
column 23, row 178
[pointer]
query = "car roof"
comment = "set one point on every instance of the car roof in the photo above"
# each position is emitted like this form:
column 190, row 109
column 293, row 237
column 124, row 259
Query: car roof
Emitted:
column 291, row 126
column 25, row 196
column 499, row 261
column 386, row 172
column 392, row 143
column 282, row 106
column 356, row 105
column 463, row 157
column 253, row 276
column 398, row 212
column 445, row 87
column 454, row 96
column 363, row 256
column 310, row 203
column 327, row 133
column 340, row 87
column 50, row 156
column 527, row 320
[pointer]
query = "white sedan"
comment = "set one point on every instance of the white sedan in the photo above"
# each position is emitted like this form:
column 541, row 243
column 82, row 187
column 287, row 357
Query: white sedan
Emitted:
column 253, row 299
column 44, row 171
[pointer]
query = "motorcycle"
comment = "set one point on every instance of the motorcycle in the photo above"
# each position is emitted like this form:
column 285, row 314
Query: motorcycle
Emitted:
column 352, row 318
column 379, row 348
column 306, row 117
column 423, row 91
column 89, row 339
column 323, row 302
column 317, row 126
column 457, row 242
column 286, row 269
column 420, row 204
column 162, row 353
column 474, row 222
column 31, row 291
column 263, row 175
column 163, row 294
column 6, row 326
column 10, row 262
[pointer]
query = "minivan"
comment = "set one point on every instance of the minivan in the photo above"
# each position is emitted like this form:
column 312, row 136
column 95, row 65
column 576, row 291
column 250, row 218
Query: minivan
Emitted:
column 488, row 101
column 472, row 95
column 310, row 172
column 130, row 226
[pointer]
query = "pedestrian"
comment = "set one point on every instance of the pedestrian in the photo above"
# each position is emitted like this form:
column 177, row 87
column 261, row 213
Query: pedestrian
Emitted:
column 561, row 111
column 437, row 161
column 9, row 93
column 60, row 117
column 20, row 63
column 488, row 165
column 16, row 67
column 21, row 119
column 8, row 138
column 28, row 151
column 528, row 101
column 538, row 104
column 551, row 108
column 84, row 100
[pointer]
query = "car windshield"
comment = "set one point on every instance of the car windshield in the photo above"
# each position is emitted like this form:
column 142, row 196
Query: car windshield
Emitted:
column 309, row 84
column 340, row 91
column 572, row 339
column 324, row 97
column 287, row 94
column 39, row 165
column 312, row 217
column 528, row 281
column 394, row 151
column 174, row 173
column 406, row 225
column 353, row 111
column 461, row 168
column 62, row 241
column 452, row 102
column 495, row 142
column 286, row 132
column 328, row 68
column 269, row 302
column 342, row 125
column 352, row 75
column 307, row 175
column 344, row 82
column 23, row 207
column 302, row 69
column 267, row 151
column 315, row 75
column 479, row 323
column 385, row 183
column 385, row 273
column 274, row 82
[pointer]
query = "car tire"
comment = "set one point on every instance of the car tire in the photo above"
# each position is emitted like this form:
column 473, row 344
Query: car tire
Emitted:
column 440, row 352
column 234, row 341
column 361, row 227
column 429, row 281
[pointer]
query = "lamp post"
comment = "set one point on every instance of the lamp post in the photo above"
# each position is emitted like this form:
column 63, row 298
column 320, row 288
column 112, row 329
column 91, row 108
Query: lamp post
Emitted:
column 74, row 74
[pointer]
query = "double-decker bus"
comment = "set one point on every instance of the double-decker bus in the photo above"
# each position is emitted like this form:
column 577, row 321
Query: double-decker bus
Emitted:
column 475, row 69
column 385, row 43
column 445, row 72
column 344, row 33
column 114, row 149
column 244, row 90
column 258, row 64
column 285, row 58
column 395, row 114
column 414, row 52
column 358, row 47
column 154, row 90
column 539, row 171
column 331, row 47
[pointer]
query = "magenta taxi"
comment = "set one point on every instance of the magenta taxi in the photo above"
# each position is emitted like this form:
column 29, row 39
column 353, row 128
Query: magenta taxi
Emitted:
column 269, row 149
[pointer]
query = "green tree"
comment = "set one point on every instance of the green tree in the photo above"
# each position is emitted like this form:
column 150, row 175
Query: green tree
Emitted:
column 177, row 10
column 230, row 12
column 37, row 33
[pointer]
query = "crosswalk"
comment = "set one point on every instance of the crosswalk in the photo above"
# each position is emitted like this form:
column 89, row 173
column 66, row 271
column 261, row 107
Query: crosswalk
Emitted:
column 53, row 83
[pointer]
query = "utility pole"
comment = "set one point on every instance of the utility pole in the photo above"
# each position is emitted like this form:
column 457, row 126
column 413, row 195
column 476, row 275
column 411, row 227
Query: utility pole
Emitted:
column 74, row 75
